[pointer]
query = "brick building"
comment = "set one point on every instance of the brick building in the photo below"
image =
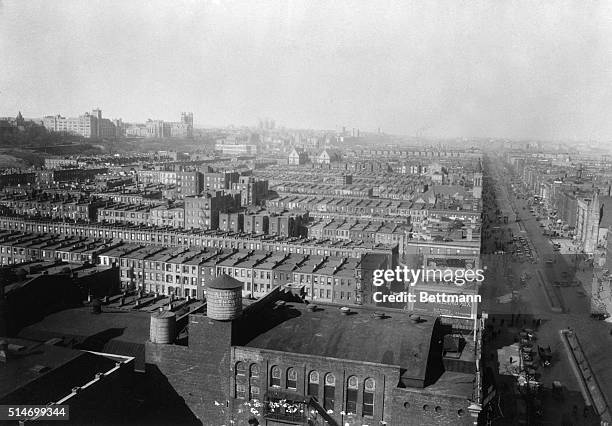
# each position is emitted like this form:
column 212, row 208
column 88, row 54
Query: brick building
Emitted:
column 202, row 211
column 219, row 180
column 95, row 386
column 199, row 238
column 281, row 362
column 252, row 191
column 188, row 183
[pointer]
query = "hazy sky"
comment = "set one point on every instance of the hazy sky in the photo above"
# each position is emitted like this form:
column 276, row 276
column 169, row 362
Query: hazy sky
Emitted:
column 500, row 68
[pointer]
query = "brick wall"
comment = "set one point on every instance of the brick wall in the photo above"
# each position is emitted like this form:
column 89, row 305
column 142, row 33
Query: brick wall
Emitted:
column 422, row 408
column 386, row 378
column 200, row 372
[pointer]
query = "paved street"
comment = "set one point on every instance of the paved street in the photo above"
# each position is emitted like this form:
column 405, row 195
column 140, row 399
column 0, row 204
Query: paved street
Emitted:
column 568, row 282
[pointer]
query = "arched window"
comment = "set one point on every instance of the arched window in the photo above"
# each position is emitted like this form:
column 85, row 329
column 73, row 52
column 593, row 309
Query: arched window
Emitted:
column 291, row 378
column 313, row 384
column 240, row 373
column 329, row 391
column 254, row 382
column 369, row 387
column 275, row 377
column 352, row 388
column 254, row 372
column 241, row 368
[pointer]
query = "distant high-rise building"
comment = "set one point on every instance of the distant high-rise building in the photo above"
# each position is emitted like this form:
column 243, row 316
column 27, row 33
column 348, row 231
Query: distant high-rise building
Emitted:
column 86, row 125
column 167, row 129
column 267, row 124
column 157, row 129
column 183, row 128
column 187, row 120
column 19, row 120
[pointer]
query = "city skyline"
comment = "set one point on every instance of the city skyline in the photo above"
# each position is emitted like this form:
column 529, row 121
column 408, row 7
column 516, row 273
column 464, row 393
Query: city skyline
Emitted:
column 306, row 213
column 436, row 69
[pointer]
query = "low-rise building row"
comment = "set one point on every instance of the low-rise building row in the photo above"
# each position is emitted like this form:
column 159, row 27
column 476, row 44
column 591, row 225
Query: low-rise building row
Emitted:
column 200, row 238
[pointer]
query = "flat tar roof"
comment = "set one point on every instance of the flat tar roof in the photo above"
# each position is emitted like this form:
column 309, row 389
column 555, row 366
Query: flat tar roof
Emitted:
column 358, row 336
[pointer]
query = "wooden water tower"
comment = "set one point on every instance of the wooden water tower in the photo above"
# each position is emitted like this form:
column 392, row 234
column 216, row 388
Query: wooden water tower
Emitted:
column 224, row 298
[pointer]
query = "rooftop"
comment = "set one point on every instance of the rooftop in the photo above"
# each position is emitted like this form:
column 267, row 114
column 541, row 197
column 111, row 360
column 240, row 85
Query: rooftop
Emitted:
column 92, row 330
column 30, row 367
column 357, row 336
column 225, row 282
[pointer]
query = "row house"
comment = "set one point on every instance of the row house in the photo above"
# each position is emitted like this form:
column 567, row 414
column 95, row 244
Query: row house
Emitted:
column 55, row 207
column 168, row 215
column 145, row 235
column 19, row 248
column 122, row 213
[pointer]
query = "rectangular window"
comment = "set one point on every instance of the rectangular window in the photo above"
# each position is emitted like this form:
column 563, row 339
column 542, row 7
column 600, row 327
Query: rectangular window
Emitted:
column 328, row 397
column 351, row 401
column 292, row 381
column 240, row 391
column 313, row 389
column 368, row 404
